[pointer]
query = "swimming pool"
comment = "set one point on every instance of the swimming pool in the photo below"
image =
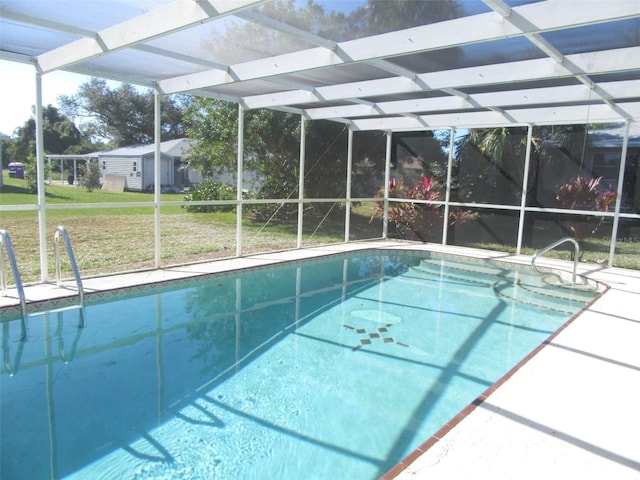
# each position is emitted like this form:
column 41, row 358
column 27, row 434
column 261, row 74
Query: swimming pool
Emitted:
column 320, row 369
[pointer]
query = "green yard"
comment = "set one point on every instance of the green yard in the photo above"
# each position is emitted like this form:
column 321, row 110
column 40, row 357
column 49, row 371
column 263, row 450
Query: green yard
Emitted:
column 107, row 237
column 117, row 232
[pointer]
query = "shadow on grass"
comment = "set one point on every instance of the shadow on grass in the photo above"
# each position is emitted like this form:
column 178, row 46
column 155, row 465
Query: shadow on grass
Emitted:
column 15, row 189
column 20, row 190
column 332, row 225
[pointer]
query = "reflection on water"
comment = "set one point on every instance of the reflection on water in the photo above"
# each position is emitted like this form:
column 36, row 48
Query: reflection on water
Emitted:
column 71, row 394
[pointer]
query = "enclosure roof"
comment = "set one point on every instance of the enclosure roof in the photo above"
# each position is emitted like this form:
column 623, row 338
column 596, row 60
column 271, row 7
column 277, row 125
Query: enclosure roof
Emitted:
column 376, row 65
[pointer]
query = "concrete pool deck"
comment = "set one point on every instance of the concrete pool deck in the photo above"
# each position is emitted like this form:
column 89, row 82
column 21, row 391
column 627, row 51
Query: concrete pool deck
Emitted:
column 570, row 411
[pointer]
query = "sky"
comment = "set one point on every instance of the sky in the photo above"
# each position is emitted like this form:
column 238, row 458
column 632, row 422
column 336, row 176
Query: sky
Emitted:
column 18, row 92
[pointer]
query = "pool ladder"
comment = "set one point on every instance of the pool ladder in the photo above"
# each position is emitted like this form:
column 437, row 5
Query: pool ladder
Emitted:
column 5, row 242
column 553, row 245
column 62, row 232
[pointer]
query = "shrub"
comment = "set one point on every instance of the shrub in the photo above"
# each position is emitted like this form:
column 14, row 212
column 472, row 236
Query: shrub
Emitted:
column 585, row 194
column 90, row 178
column 210, row 191
column 416, row 220
column 30, row 173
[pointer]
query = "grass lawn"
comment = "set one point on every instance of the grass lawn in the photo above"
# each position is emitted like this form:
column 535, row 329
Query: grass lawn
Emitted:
column 108, row 238
column 15, row 192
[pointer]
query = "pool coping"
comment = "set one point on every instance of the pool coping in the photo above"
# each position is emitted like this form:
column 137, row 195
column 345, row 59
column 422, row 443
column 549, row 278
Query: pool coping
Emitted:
column 434, row 451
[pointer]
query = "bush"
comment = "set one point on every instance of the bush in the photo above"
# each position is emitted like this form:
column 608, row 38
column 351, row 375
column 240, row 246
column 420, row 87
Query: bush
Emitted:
column 414, row 221
column 90, row 178
column 30, row 173
column 583, row 193
column 283, row 184
column 210, row 191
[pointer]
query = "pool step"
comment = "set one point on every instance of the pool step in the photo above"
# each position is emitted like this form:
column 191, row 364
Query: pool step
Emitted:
column 468, row 272
column 549, row 286
column 565, row 301
column 546, row 292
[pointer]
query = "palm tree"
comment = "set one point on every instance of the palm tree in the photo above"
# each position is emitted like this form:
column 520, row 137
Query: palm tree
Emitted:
column 491, row 161
column 491, row 164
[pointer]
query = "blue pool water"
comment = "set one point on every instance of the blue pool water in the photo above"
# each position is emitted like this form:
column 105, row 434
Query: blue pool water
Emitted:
column 317, row 370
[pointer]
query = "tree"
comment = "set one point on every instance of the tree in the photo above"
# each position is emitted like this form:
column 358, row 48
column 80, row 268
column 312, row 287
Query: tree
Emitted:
column 214, row 124
column 413, row 220
column 490, row 161
column 60, row 136
column 418, row 220
column 271, row 145
column 491, row 164
column 271, row 150
column 123, row 115
column 381, row 16
column 271, row 142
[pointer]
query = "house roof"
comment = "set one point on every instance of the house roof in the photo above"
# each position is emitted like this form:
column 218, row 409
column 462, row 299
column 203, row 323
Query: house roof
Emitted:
column 611, row 136
column 465, row 63
column 174, row 148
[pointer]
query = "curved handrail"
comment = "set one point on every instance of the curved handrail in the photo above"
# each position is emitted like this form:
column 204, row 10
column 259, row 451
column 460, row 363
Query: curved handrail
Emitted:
column 61, row 231
column 576, row 255
column 5, row 241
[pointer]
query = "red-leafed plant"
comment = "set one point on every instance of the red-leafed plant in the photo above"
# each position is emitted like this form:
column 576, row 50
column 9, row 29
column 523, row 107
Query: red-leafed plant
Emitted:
column 583, row 193
column 416, row 217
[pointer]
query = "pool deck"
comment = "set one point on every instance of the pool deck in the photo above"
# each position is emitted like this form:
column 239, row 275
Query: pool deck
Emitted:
column 572, row 410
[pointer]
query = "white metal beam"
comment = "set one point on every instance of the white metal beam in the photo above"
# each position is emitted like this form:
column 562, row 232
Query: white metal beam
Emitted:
column 561, row 13
column 318, row 57
column 40, row 176
column 500, row 99
column 347, row 213
column 46, row 24
column 621, row 173
column 167, row 19
column 566, row 115
column 239, row 180
column 387, row 178
column 301, row 176
column 503, row 73
column 157, row 177
column 525, row 25
column 556, row 115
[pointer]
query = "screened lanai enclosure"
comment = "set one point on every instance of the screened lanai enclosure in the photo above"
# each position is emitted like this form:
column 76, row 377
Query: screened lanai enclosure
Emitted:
column 499, row 124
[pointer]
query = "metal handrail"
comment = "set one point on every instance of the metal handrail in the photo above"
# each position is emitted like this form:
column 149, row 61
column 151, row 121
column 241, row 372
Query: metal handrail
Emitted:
column 5, row 241
column 576, row 255
column 61, row 231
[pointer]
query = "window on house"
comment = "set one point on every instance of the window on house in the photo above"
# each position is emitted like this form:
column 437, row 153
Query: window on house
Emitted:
column 135, row 166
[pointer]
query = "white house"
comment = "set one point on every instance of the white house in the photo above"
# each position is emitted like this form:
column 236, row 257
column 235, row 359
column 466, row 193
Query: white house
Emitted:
column 136, row 165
